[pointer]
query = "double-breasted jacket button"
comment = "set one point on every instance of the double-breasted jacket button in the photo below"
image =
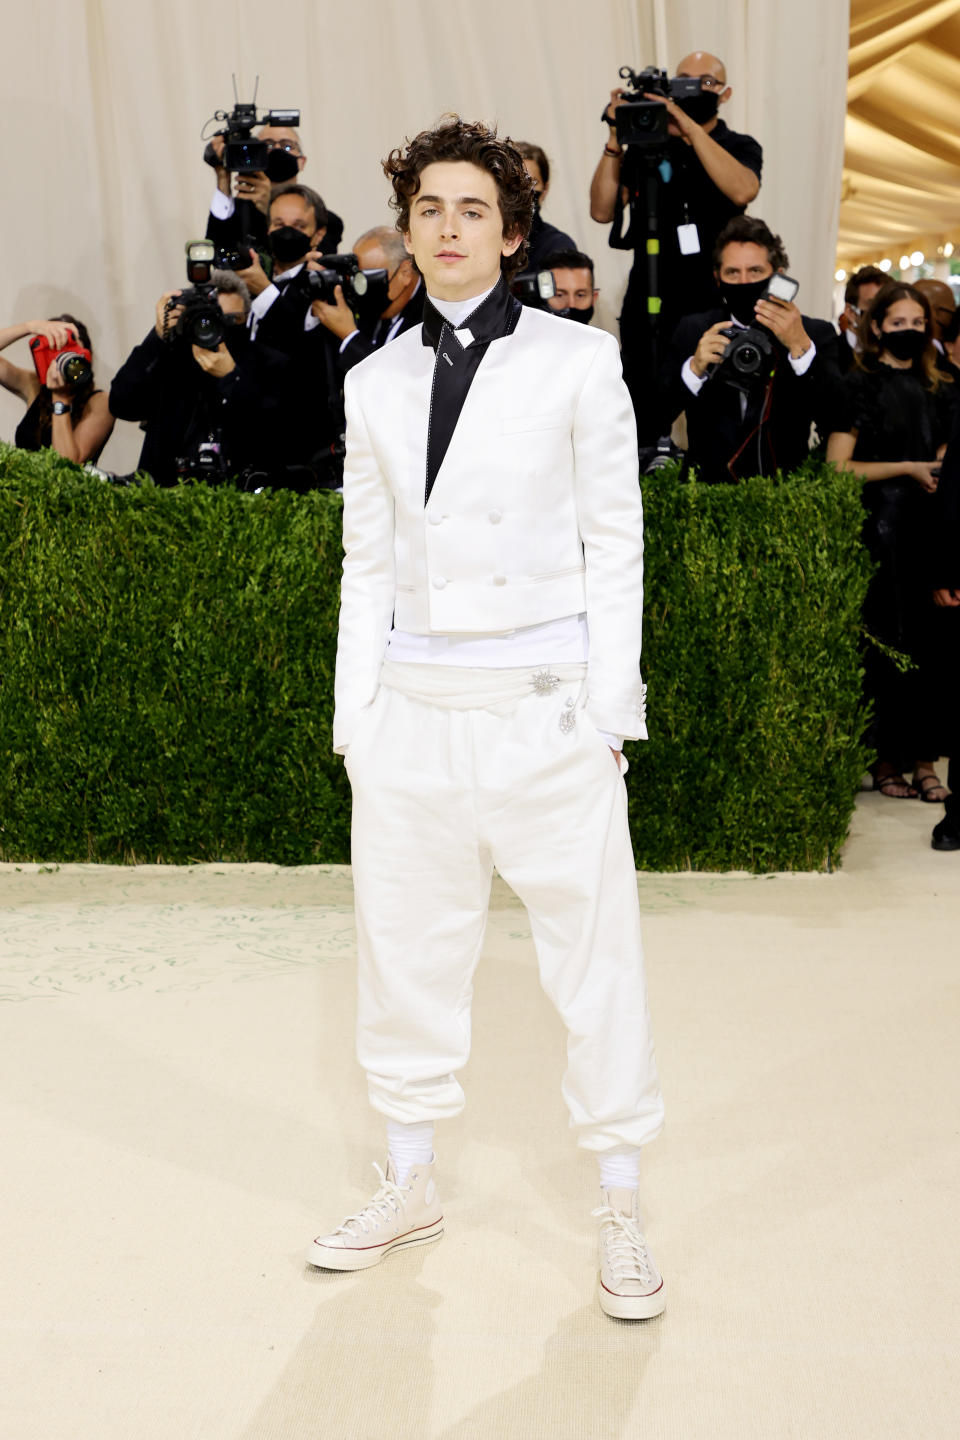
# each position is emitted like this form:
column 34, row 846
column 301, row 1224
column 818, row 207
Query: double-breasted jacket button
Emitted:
column 499, row 579
column 434, row 518
column 495, row 517
column 439, row 582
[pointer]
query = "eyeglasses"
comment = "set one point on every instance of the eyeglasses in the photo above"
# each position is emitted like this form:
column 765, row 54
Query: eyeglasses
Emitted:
column 709, row 82
column 289, row 146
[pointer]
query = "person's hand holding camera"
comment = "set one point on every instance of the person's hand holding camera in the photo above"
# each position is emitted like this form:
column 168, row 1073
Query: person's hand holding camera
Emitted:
column 617, row 98
column 338, row 318
column 946, row 599
column 680, row 118
column 167, row 315
column 255, row 277
column 217, row 362
column 785, row 321
column 223, row 175
column 254, row 186
column 711, row 348
column 57, row 333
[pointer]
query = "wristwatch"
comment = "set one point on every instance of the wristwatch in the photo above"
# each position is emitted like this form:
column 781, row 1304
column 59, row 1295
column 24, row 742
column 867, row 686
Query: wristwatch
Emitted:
column 60, row 407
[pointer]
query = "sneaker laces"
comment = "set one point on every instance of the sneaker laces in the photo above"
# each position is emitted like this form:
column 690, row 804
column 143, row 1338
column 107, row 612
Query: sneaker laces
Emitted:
column 624, row 1245
column 389, row 1200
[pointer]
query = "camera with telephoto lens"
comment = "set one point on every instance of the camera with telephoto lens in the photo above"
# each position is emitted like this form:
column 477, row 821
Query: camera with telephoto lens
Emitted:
column 641, row 122
column 201, row 321
column 364, row 290
column 750, row 358
column 244, row 155
column 534, row 288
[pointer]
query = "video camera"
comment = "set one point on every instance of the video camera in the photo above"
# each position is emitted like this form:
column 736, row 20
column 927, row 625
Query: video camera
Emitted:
column 365, row 291
column 750, row 358
column 643, row 122
column 244, row 155
column 201, row 321
column 534, row 288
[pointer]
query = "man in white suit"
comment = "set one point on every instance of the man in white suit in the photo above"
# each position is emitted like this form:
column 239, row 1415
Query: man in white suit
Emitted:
column 487, row 675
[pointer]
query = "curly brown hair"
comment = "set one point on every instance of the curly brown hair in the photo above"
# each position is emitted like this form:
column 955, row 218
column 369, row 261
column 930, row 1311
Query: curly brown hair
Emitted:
column 871, row 344
column 455, row 139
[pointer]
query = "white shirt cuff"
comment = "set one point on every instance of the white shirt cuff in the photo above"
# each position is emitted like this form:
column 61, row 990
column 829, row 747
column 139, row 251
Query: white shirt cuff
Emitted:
column 222, row 206
column 801, row 366
column 694, row 383
column 346, row 341
column 310, row 321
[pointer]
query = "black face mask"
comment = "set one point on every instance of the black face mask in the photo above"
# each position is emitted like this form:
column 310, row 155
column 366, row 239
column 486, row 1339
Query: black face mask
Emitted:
column 740, row 299
column 701, row 108
column 582, row 316
column 280, row 166
column 904, row 344
column 288, row 244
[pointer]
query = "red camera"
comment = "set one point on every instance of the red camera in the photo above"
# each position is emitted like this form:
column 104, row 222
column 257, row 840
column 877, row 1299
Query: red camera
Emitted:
column 77, row 369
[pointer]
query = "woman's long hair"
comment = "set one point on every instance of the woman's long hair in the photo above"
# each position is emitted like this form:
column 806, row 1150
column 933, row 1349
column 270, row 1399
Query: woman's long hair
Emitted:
column 872, row 344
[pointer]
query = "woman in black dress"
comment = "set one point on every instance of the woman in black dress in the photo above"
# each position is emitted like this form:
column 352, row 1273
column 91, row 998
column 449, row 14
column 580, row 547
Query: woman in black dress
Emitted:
column 899, row 409
column 74, row 419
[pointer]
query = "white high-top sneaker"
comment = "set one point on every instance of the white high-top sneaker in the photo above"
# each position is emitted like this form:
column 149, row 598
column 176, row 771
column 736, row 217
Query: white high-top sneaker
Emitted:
column 630, row 1285
column 397, row 1218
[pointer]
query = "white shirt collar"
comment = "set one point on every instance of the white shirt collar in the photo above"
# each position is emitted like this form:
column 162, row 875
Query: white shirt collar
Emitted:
column 456, row 311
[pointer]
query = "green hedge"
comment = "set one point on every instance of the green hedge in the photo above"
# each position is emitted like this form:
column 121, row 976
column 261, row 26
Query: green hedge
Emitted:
column 166, row 668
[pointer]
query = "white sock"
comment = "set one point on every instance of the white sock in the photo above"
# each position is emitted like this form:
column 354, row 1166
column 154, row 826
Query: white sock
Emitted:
column 620, row 1169
column 409, row 1145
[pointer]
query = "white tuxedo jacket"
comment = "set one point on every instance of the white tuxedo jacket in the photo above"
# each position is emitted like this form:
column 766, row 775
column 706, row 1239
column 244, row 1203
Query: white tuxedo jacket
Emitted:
column 535, row 513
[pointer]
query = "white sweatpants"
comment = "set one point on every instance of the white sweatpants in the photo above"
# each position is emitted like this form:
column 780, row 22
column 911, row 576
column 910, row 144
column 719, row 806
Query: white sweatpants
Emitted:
column 443, row 790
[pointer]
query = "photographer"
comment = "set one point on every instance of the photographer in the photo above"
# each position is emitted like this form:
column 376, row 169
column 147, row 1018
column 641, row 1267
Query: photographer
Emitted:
column 208, row 410
column 704, row 175
column 755, row 422
column 310, row 455
column 64, row 410
column 229, row 226
column 379, row 249
column 543, row 239
column 575, row 295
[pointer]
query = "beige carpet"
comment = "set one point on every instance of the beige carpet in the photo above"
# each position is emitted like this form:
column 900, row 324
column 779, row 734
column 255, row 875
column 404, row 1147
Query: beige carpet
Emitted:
column 181, row 1111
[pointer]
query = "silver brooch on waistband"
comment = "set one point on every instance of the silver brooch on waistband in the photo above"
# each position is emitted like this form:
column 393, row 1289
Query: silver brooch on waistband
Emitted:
column 568, row 716
column 544, row 682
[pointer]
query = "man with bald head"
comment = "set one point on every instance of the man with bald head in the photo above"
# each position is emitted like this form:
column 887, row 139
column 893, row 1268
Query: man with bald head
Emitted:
column 705, row 174
column 378, row 249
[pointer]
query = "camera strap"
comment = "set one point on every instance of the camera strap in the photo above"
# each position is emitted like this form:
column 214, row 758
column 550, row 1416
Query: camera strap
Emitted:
column 756, row 433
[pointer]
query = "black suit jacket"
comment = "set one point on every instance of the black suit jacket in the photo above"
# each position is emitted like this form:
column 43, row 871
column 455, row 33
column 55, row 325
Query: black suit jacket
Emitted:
column 310, row 448
column 768, row 437
column 362, row 345
column 178, row 404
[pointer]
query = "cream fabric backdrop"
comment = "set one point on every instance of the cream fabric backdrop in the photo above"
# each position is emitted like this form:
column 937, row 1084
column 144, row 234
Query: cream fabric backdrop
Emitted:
column 106, row 99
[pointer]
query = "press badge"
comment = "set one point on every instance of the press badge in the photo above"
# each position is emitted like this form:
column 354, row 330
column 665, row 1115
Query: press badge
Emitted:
column 689, row 239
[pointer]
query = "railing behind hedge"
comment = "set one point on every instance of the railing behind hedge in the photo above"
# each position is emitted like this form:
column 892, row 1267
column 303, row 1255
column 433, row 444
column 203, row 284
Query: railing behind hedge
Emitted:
column 166, row 671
